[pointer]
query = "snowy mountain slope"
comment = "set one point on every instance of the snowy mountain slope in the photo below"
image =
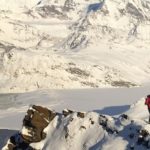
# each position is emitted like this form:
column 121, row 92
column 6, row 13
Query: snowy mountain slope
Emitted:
column 49, row 70
column 116, row 21
column 17, row 5
column 93, row 131
column 99, row 44
column 70, row 44
column 107, row 101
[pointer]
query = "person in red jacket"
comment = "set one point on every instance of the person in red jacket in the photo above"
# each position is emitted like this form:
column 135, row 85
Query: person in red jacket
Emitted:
column 147, row 102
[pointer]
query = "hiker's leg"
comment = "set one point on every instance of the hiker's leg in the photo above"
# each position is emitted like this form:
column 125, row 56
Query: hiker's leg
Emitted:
column 149, row 114
column 149, row 110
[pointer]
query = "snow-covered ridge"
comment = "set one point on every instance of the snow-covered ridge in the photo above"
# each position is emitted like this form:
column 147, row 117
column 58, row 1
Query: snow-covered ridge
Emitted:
column 116, row 21
column 45, row 129
column 73, row 44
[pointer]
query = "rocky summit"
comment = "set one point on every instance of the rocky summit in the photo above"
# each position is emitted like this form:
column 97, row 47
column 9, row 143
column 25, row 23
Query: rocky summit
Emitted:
column 46, row 129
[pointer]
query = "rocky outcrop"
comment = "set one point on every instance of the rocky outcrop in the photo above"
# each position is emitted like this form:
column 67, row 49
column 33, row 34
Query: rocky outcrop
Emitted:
column 67, row 112
column 69, row 5
column 50, row 11
column 93, row 23
column 34, row 123
column 47, row 128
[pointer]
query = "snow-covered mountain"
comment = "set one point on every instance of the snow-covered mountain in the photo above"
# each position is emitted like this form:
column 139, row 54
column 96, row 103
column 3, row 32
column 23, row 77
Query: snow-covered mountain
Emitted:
column 70, row 130
column 97, row 123
column 73, row 44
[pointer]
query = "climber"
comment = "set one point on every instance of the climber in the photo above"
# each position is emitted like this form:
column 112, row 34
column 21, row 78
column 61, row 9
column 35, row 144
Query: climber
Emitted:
column 147, row 102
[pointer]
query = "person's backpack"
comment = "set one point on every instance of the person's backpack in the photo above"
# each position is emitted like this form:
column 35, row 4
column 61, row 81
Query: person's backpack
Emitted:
column 147, row 100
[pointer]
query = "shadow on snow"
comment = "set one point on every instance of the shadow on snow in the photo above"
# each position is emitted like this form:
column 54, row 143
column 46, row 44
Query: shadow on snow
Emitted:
column 113, row 110
column 5, row 135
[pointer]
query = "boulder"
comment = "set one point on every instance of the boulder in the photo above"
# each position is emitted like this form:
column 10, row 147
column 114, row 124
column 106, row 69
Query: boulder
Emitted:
column 35, row 121
column 143, row 134
column 81, row 114
column 67, row 112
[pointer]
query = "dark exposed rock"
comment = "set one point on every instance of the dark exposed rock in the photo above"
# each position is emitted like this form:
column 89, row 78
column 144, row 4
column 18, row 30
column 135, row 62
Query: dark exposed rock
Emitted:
column 77, row 40
column 50, row 10
column 122, row 11
column 34, row 123
column 82, row 127
column 77, row 71
column 7, row 47
column 143, row 134
column 92, row 122
column 66, row 112
column 90, row 84
column 124, row 116
column 104, row 10
column 66, row 135
column 81, row 114
column 122, row 83
column 134, row 11
column 69, row 5
column 104, row 122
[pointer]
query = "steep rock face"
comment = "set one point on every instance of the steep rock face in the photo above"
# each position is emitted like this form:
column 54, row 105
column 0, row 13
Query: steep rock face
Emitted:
column 34, row 123
column 117, row 21
column 69, row 5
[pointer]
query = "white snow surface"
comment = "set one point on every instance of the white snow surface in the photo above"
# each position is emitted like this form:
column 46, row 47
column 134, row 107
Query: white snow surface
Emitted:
column 110, row 102
column 63, row 45
column 58, row 54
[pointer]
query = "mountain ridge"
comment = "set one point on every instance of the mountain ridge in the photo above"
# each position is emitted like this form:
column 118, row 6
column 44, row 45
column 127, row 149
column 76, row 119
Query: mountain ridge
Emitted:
column 105, row 38
column 44, row 129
